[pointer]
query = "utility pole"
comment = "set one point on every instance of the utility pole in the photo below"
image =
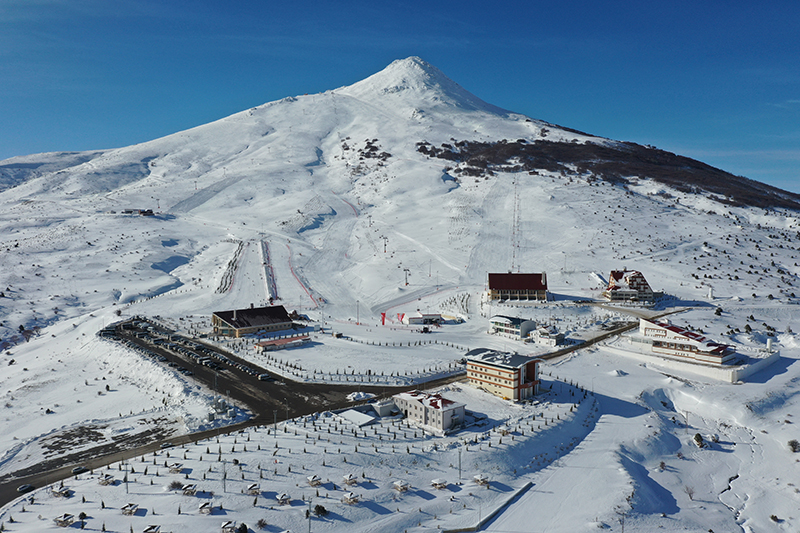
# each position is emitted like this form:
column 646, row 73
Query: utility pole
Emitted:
column 275, row 424
column 357, row 313
column 406, row 271
column 459, row 464
column 385, row 239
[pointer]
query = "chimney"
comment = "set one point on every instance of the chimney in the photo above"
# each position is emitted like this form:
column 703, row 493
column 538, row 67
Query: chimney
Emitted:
column 234, row 315
column 251, row 305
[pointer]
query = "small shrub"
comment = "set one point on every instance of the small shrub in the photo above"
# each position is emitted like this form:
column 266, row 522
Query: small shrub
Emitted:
column 175, row 485
column 319, row 510
column 794, row 445
column 261, row 524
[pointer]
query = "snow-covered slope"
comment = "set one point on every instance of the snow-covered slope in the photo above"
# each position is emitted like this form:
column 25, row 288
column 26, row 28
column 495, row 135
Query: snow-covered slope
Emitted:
column 336, row 188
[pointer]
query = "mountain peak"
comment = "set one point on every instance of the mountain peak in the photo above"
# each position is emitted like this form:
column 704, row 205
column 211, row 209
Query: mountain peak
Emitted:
column 417, row 83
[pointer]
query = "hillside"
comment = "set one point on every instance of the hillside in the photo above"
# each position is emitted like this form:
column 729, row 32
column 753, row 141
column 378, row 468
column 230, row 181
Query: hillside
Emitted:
column 330, row 202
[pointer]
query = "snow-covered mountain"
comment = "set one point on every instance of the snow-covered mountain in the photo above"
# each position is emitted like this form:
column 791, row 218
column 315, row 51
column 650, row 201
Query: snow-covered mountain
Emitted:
column 345, row 195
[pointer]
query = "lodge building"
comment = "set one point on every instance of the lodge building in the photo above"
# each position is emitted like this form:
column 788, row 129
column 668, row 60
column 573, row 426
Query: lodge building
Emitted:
column 507, row 375
column 240, row 322
column 508, row 286
column 667, row 339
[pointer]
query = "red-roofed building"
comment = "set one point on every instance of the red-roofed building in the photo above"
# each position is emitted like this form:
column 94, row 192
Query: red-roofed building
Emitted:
column 433, row 411
column 628, row 285
column 510, row 286
column 683, row 343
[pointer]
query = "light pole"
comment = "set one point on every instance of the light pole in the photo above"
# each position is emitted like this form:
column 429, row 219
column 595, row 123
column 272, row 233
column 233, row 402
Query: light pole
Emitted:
column 358, row 311
column 287, row 411
column 275, row 424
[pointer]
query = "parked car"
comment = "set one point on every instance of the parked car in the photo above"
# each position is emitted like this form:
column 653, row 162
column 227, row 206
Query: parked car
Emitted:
column 79, row 470
column 27, row 487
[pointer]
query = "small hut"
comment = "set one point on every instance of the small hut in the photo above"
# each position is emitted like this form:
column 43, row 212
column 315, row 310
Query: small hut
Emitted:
column 130, row 509
column 189, row 490
column 229, row 526
column 61, row 492
column 65, row 520
column 314, row 480
column 283, row 498
column 350, row 479
column 152, row 529
column 439, row 483
column 401, row 486
column 106, row 479
column 205, row 508
column 481, row 479
column 176, row 468
column 350, row 498
column 254, row 489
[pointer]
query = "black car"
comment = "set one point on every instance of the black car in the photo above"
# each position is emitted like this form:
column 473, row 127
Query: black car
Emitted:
column 27, row 487
column 79, row 470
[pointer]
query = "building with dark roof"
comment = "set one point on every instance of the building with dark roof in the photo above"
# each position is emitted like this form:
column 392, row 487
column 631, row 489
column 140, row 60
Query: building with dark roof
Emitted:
column 508, row 286
column 239, row 322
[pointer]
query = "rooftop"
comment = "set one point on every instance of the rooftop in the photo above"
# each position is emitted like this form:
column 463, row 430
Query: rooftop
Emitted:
column 512, row 282
column 254, row 317
column 434, row 401
column 502, row 359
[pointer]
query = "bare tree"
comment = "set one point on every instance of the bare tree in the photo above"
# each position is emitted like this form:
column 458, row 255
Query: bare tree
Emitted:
column 689, row 491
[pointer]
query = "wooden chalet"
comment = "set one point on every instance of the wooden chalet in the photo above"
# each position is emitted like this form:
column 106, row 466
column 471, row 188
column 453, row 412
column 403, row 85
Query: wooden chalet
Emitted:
column 130, row 509
column 65, row 520
column 350, row 498
column 481, row 479
column 61, row 492
column 401, row 486
column 350, row 479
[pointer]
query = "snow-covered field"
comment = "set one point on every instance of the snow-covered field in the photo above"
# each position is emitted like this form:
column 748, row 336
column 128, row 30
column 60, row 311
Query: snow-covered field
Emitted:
column 344, row 231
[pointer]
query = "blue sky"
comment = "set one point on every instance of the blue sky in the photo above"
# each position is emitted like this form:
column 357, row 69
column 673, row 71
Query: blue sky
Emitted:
column 716, row 81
